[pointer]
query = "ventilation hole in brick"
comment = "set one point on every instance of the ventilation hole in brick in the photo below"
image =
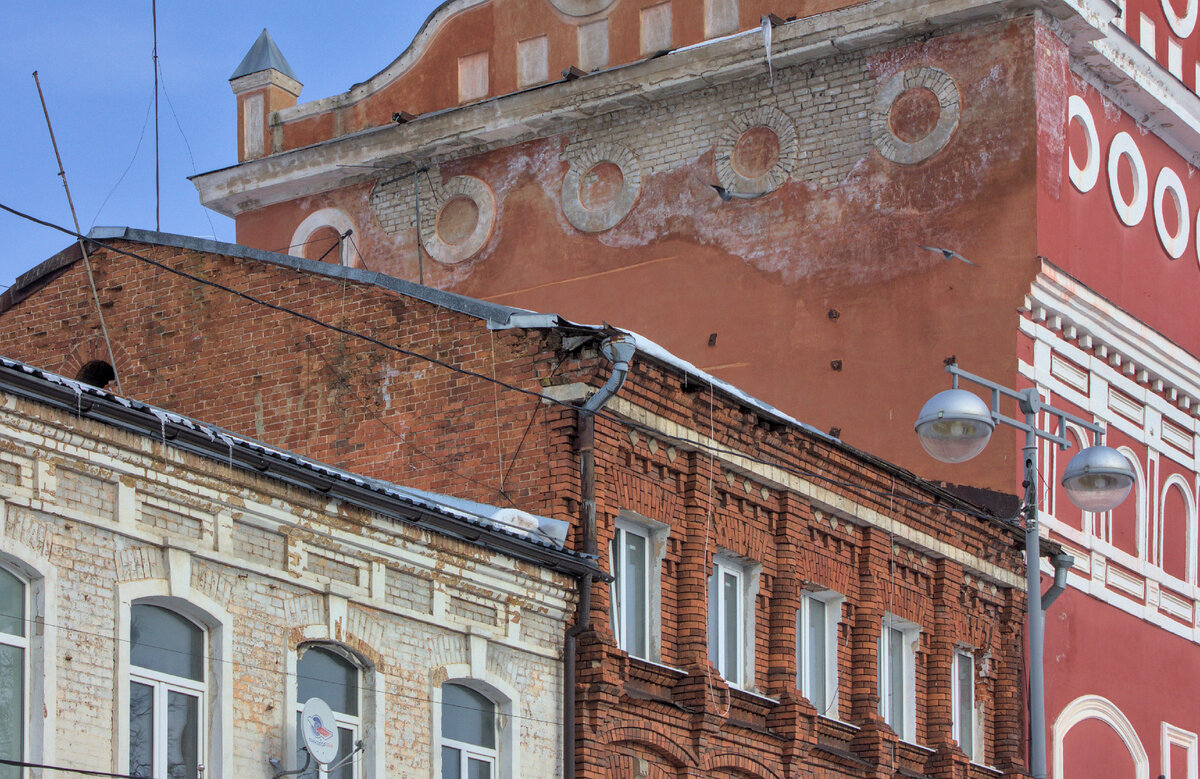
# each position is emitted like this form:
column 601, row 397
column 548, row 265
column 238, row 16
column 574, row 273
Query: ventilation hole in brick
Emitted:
column 97, row 373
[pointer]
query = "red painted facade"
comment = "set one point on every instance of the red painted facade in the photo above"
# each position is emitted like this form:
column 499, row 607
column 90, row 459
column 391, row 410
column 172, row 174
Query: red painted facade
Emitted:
column 1068, row 179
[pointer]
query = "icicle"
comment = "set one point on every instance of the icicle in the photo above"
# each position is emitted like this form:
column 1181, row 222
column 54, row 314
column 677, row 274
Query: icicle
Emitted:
column 766, row 28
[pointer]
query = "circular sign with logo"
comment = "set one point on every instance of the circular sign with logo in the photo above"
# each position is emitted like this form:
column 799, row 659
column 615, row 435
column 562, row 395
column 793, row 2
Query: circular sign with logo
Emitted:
column 318, row 731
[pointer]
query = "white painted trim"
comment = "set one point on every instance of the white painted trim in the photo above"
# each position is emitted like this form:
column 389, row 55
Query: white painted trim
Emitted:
column 340, row 221
column 41, row 661
column 1178, row 482
column 1132, row 211
column 1176, row 736
column 1097, row 707
column 1168, row 182
column 218, row 624
column 372, row 686
column 1084, row 178
column 480, row 676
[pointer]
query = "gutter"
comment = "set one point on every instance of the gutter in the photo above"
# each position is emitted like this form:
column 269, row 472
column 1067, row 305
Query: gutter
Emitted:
column 213, row 444
column 619, row 349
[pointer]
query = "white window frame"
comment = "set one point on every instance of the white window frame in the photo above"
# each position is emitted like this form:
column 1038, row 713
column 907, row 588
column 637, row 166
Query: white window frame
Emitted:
column 162, row 684
column 746, row 576
column 353, row 723
column 655, row 536
column 623, row 588
column 475, row 751
column 832, row 601
column 22, row 642
column 910, row 637
column 961, row 656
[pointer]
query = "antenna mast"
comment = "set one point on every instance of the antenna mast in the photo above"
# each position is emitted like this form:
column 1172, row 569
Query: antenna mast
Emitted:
column 87, row 263
column 154, row 23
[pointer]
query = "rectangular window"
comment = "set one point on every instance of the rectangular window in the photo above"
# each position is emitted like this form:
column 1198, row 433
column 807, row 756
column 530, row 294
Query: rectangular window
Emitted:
column 897, row 676
column 816, row 650
column 631, row 589
column 964, row 703
column 727, row 620
column 13, row 645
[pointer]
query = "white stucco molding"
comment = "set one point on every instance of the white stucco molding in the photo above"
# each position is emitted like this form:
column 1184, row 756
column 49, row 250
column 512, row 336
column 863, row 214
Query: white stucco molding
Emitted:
column 1173, row 736
column 896, row 149
column 480, row 194
column 1100, row 708
column 41, row 693
column 335, row 218
column 1064, row 304
column 595, row 220
column 777, row 175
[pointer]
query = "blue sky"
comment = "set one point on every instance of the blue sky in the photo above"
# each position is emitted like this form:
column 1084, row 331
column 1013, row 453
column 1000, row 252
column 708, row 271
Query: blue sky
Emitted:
column 94, row 61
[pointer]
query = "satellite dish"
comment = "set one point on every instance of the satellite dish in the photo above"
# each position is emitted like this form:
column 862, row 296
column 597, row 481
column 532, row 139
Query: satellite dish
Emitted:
column 319, row 731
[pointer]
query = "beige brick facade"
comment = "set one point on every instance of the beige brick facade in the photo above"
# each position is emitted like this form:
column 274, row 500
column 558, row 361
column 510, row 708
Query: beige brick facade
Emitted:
column 95, row 520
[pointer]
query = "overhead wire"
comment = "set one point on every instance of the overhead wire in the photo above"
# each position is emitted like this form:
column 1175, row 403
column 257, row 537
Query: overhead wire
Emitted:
column 943, row 505
column 179, row 125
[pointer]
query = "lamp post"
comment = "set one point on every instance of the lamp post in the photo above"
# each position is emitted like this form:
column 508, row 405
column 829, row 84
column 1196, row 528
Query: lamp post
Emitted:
column 955, row 425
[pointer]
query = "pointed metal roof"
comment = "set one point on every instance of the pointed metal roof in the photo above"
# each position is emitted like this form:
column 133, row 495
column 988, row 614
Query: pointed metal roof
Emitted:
column 263, row 55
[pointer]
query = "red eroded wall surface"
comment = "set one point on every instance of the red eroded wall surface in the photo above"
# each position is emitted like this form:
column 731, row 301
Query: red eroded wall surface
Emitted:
column 816, row 298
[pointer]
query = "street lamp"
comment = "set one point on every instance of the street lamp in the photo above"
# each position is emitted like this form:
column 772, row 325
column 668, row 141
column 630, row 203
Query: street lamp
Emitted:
column 955, row 425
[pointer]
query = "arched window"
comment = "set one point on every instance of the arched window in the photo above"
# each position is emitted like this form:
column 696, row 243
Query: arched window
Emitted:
column 14, row 643
column 325, row 673
column 469, row 735
column 166, row 693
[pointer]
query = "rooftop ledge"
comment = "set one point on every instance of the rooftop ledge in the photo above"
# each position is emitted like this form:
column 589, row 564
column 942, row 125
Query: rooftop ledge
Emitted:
column 546, row 109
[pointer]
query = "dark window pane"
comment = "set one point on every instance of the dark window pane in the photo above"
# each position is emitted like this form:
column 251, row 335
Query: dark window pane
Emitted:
column 141, row 729
column 164, row 641
column 468, row 716
column 451, row 763
column 12, row 707
column 345, row 747
column 183, row 735
column 329, row 676
column 478, row 769
column 12, row 604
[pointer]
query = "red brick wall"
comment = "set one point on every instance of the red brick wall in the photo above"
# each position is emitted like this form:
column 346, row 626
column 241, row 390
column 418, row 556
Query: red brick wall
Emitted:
column 203, row 352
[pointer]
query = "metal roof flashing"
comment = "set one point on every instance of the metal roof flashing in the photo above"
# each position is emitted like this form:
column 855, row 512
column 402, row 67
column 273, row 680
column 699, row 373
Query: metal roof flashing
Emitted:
column 542, row 540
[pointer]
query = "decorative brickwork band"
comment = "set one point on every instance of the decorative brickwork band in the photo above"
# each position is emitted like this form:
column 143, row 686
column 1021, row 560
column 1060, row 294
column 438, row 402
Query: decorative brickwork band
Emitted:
column 908, row 140
column 600, row 187
column 756, row 151
column 460, row 223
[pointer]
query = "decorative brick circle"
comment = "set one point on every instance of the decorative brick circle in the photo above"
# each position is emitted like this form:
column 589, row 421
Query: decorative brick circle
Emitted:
column 581, row 7
column 756, row 151
column 903, row 128
column 462, row 223
column 600, row 187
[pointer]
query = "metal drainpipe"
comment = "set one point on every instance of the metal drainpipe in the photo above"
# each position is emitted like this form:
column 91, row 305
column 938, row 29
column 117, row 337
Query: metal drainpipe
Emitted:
column 620, row 350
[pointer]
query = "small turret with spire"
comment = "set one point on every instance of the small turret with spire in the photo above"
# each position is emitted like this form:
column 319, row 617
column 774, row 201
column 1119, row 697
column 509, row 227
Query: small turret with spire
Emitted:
column 263, row 83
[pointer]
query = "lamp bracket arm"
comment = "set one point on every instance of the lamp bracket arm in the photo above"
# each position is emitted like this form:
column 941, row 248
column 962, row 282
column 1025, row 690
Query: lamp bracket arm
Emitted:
column 1030, row 403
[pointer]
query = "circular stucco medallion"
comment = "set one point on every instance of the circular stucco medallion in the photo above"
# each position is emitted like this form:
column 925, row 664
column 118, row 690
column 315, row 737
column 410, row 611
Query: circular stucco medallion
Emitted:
column 914, row 114
column 581, row 7
column 461, row 224
column 600, row 187
column 756, row 151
